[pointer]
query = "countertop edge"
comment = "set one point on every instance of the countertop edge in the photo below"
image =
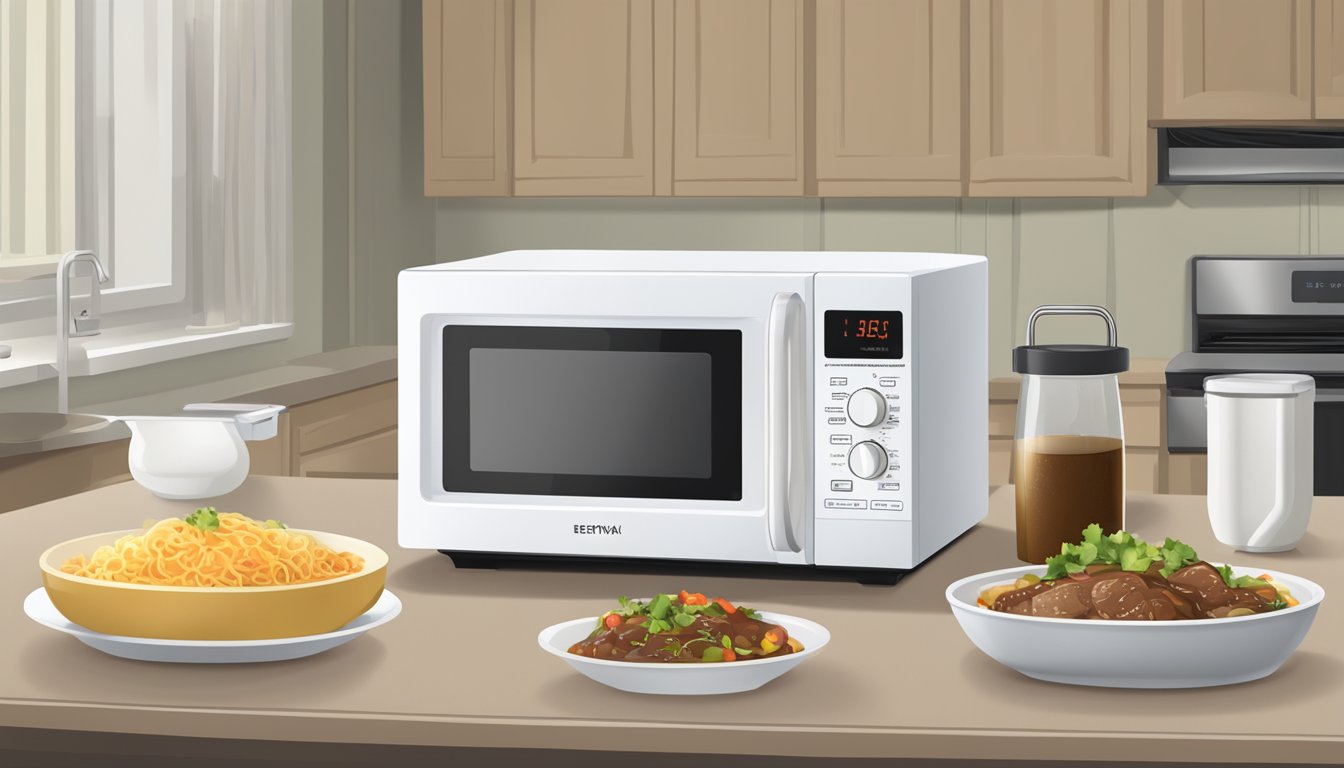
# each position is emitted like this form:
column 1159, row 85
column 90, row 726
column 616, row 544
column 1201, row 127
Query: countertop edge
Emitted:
column 636, row 736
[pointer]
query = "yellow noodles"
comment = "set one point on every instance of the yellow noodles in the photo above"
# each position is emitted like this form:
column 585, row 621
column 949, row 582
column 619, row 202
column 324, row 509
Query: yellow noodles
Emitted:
column 240, row 553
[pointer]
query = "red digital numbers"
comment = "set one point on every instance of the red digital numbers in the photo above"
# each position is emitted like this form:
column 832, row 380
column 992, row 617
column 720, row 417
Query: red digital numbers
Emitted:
column 873, row 329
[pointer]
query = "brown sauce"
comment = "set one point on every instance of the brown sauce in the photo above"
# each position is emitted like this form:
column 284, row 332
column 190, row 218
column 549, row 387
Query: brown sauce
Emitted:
column 1196, row 591
column 1062, row 484
column 630, row 641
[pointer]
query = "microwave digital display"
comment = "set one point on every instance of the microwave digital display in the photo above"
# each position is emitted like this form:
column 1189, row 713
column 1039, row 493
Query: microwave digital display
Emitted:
column 855, row 334
column 1318, row 287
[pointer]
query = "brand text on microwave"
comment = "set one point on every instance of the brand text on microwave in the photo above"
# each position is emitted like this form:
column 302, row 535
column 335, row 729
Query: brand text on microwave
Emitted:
column 594, row 530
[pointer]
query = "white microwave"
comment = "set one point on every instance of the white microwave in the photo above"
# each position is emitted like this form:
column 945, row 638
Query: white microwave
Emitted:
column 811, row 410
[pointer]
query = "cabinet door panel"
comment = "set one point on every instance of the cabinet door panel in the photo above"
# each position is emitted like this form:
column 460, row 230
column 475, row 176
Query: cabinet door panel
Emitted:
column 1329, row 52
column 1058, row 90
column 583, row 93
column 1236, row 60
column 466, row 87
column 888, row 97
column 738, row 97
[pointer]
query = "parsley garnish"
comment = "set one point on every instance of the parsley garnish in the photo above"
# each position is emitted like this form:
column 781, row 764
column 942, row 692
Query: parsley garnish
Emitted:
column 1120, row 548
column 204, row 518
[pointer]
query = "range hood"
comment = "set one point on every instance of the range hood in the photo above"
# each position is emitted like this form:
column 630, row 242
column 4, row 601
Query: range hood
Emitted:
column 1250, row 156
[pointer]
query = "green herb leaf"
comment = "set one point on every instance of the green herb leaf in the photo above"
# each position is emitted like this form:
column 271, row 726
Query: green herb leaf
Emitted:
column 275, row 524
column 683, row 619
column 750, row 613
column 204, row 518
column 712, row 653
column 726, row 642
column 742, row 651
column 661, row 605
column 1226, row 571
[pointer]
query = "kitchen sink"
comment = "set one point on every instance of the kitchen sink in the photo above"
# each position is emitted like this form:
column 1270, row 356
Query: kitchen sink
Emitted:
column 18, row 428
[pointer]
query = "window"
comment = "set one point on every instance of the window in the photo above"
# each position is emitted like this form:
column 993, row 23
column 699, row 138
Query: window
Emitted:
column 156, row 134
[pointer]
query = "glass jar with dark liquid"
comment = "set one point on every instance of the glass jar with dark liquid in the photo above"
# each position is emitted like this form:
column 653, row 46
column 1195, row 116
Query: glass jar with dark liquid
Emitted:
column 1069, row 451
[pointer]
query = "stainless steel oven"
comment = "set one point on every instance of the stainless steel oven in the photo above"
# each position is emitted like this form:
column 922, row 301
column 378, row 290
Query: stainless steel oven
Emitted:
column 1259, row 314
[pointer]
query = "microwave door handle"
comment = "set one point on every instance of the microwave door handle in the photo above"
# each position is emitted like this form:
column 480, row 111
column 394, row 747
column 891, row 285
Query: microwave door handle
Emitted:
column 783, row 432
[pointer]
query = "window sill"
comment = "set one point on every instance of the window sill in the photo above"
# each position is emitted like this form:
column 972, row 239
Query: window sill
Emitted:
column 117, row 349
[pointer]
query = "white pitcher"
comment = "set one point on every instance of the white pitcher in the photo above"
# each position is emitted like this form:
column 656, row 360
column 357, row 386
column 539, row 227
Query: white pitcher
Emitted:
column 1260, row 459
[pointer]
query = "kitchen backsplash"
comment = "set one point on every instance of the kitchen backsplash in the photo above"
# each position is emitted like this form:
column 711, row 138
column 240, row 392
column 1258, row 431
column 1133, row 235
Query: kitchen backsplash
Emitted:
column 1127, row 254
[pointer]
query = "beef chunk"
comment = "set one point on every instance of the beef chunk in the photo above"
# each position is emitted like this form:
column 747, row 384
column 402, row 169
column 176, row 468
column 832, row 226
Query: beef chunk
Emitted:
column 1123, row 597
column 1068, row 600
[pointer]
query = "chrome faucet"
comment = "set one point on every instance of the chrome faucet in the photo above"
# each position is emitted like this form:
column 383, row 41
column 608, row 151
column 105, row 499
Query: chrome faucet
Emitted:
column 84, row 325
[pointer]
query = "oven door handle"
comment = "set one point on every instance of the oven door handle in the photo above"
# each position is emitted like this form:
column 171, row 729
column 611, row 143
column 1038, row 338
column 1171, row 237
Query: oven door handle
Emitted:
column 786, row 422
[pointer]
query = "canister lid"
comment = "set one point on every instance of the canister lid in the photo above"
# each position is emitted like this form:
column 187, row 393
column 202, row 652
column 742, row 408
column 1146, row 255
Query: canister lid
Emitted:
column 1260, row 384
column 1070, row 359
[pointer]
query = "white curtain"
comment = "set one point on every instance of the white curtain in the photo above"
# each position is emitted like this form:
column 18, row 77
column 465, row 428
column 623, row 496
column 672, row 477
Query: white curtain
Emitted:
column 37, row 141
column 238, row 170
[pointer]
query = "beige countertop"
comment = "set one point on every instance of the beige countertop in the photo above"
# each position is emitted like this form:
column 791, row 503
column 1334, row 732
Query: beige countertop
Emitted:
column 298, row 381
column 898, row 680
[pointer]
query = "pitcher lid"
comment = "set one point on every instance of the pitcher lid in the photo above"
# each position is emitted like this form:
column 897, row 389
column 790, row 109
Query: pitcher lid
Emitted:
column 1070, row 359
column 1260, row 384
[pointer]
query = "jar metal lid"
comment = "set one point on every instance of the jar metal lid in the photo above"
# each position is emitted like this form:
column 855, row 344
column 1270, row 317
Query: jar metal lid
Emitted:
column 1070, row 359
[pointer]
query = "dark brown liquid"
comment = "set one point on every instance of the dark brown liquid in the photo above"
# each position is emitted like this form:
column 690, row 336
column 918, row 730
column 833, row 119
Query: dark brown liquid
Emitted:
column 1064, row 484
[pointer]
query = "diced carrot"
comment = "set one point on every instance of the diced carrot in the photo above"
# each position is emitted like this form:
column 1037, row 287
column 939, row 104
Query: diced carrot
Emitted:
column 612, row 620
column 684, row 596
column 725, row 605
column 728, row 655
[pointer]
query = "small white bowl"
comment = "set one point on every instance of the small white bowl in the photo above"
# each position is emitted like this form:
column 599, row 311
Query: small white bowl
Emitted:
column 684, row 679
column 1136, row 654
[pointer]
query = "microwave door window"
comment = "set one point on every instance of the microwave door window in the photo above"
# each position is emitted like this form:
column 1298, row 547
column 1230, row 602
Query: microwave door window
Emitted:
column 641, row 413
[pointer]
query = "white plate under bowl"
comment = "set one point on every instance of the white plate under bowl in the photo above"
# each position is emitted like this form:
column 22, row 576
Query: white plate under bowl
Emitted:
column 684, row 679
column 1136, row 654
column 40, row 609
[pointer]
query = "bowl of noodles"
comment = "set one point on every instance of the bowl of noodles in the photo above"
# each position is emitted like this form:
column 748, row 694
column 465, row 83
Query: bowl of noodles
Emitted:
column 213, row 576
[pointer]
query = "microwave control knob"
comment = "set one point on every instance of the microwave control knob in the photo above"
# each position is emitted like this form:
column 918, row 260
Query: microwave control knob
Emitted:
column 867, row 407
column 868, row 460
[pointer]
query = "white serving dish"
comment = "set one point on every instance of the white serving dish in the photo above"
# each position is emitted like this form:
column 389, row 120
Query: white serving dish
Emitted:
column 684, row 679
column 1136, row 654
column 40, row 609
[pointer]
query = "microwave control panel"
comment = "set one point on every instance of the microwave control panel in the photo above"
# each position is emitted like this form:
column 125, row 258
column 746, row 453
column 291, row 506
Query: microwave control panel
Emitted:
column 862, row 420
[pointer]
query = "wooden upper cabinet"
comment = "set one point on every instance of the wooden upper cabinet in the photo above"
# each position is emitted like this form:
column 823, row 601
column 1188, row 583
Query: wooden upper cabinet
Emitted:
column 466, row 83
column 1237, row 59
column 888, row 97
column 583, row 97
column 1058, row 98
column 1329, row 55
column 738, row 107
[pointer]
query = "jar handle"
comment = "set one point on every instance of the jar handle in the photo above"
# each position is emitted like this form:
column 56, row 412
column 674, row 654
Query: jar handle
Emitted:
column 1071, row 309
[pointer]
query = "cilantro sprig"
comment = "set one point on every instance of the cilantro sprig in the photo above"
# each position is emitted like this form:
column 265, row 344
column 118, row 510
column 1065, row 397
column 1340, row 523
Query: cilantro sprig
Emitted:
column 1120, row 548
column 666, row 613
column 204, row 518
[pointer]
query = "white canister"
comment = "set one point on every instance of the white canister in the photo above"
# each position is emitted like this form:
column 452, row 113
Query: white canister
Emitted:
column 1260, row 459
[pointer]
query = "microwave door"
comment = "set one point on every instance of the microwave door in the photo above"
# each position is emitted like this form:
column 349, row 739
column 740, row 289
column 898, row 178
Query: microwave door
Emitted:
column 598, row 412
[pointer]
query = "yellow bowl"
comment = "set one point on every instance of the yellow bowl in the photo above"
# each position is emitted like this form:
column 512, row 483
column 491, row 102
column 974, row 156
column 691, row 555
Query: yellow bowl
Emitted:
column 213, row 613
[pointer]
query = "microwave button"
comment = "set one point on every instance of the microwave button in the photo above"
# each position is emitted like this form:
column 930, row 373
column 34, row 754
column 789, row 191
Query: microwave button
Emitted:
column 846, row 504
column 839, row 381
column 836, row 420
column 888, row 486
column 867, row 407
column 886, row 382
column 842, row 485
column 892, row 506
column 868, row 460
column 841, row 439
